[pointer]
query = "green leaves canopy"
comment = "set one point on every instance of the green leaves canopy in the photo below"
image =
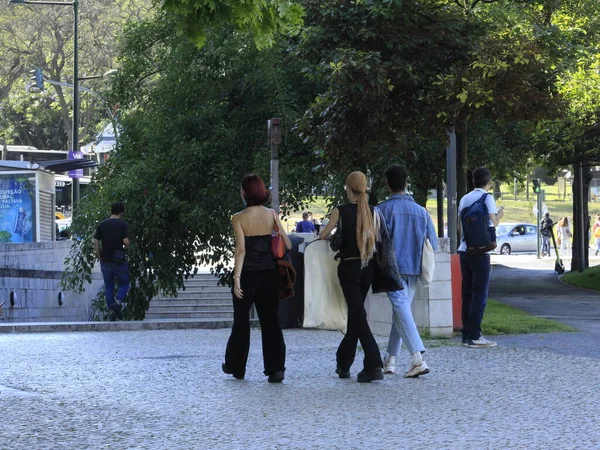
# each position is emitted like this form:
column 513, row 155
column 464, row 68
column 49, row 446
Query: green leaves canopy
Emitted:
column 263, row 18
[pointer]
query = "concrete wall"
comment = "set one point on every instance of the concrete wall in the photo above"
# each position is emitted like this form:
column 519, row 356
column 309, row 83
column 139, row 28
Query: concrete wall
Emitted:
column 432, row 306
column 32, row 273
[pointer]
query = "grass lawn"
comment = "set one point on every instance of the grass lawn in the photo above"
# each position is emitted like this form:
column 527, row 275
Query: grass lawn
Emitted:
column 589, row 279
column 504, row 319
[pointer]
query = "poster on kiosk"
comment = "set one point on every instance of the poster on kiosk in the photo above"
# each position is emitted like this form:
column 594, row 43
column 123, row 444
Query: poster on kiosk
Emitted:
column 17, row 214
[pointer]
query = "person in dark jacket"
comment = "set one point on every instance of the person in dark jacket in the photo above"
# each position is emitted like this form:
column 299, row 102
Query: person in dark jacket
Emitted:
column 546, row 232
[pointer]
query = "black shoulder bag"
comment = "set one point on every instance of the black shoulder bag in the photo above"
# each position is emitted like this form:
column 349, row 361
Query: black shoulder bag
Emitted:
column 387, row 276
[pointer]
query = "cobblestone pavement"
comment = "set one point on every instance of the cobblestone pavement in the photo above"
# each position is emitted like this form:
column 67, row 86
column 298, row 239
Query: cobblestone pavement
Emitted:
column 165, row 389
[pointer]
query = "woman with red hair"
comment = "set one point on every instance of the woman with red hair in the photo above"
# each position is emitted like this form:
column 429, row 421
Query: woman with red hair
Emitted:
column 255, row 281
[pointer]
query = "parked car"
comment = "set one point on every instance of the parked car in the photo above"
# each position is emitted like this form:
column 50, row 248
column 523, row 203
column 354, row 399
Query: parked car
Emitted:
column 516, row 237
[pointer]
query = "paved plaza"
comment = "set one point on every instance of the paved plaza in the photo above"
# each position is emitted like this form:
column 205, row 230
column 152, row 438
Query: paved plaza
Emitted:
column 165, row 390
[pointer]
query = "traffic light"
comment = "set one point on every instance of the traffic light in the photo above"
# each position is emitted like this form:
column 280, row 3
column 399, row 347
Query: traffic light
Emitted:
column 38, row 77
column 536, row 186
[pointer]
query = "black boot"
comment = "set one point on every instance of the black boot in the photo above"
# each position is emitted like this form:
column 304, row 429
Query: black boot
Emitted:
column 276, row 377
column 236, row 375
column 366, row 376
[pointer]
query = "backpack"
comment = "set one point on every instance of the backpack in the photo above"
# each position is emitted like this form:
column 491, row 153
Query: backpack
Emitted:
column 475, row 224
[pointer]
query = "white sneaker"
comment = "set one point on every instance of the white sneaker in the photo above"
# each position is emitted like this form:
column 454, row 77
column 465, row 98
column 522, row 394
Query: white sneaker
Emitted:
column 416, row 370
column 389, row 364
column 481, row 343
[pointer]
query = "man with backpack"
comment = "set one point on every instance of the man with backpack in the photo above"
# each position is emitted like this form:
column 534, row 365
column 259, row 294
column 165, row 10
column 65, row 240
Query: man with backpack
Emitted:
column 478, row 219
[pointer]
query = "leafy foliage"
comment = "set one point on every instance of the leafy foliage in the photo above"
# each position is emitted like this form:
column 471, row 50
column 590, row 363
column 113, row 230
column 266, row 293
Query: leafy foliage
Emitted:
column 263, row 18
column 194, row 126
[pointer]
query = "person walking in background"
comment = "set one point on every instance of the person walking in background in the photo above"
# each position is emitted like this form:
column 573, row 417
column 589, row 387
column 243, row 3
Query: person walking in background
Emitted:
column 255, row 281
column 355, row 272
column 475, row 268
column 111, row 242
column 596, row 234
column 564, row 233
column 546, row 232
column 306, row 225
column 409, row 225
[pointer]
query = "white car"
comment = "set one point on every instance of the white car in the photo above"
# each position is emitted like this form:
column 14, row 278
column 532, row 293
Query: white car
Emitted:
column 516, row 237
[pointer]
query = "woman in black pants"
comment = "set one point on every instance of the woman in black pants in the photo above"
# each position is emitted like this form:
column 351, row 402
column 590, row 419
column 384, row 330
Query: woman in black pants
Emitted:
column 255, row 280
column 355, row 273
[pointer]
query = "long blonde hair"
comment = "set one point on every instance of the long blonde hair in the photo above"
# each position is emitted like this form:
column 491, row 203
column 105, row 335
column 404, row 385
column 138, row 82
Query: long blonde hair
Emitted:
column 366, row 234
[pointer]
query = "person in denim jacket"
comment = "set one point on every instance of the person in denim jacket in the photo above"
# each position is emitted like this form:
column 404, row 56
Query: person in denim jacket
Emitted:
column 409, row 225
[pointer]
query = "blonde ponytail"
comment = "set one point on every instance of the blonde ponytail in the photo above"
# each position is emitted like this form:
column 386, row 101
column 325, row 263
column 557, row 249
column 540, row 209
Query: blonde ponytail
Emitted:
column 366, row 234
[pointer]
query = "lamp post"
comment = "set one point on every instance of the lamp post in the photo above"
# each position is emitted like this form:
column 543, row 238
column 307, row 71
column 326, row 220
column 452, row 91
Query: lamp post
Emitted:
column 75, row 133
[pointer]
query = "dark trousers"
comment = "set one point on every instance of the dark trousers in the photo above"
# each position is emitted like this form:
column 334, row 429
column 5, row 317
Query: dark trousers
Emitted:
column 262, row 289
column 110, row 271
column 355, row 284
column 546, row 245
column 475, row 270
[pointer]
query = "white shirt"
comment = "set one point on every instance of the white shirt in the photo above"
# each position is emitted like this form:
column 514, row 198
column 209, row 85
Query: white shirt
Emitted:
column 467, row 201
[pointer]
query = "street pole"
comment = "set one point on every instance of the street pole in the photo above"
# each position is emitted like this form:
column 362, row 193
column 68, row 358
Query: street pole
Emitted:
column 75, row 146
column 540, row 197
column 274, row 131
column 451, row 191
column 440, row 204
column 582, row 238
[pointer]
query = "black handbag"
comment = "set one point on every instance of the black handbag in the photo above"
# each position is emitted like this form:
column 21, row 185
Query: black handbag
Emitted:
column 387, row 276
column 335, row 242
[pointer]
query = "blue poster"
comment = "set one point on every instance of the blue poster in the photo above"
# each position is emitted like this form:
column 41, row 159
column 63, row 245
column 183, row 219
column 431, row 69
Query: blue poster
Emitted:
column 17, row 198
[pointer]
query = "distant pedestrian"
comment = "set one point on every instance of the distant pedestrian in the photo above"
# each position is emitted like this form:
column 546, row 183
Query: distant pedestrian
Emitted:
column 355, row 272
column 596, row 234
column 306, row 225
column 475, row 268
column 409, row 225
column 111, row 242
column 564, row 233
column 546, row 232
column 255, row 281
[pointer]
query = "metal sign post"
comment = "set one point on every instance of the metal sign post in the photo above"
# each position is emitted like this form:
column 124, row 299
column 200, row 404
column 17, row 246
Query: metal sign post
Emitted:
column 451, row 191
column 274, row 133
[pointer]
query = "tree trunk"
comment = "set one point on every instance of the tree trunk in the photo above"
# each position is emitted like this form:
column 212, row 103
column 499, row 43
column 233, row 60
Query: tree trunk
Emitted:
column 587, row 179
column 461, row 159
column 64, row 109
column 577, row 215
column 574, row 224
column 497, row 191
column 421, row 191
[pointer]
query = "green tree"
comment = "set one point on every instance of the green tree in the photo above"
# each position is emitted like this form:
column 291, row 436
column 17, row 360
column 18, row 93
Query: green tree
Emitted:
column 42, row 36
column 262, row 18
column 194, row 122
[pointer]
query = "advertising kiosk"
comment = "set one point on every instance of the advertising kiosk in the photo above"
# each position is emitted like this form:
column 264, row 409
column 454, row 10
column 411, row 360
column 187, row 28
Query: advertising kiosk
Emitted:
column 27, row 203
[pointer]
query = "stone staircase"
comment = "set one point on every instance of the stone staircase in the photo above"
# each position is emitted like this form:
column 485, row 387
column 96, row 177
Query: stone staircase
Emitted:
column 202, row 299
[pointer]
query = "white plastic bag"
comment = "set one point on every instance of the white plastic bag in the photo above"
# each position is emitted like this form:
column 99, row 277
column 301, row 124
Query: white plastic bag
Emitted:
column 427, row 263
column 325, row 307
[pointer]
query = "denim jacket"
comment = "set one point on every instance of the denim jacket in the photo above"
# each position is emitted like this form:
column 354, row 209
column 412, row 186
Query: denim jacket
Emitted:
column 409, row 225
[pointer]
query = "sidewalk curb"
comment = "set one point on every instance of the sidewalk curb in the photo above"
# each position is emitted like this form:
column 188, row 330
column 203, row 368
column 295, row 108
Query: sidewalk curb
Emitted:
column 146, row 325
column 575, row 286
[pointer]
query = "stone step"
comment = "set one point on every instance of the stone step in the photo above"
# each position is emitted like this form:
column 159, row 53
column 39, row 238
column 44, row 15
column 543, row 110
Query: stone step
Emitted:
column 190, row 301
column 194, row 295
column 190, row 315
column 215, row 288
column 187, row 307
